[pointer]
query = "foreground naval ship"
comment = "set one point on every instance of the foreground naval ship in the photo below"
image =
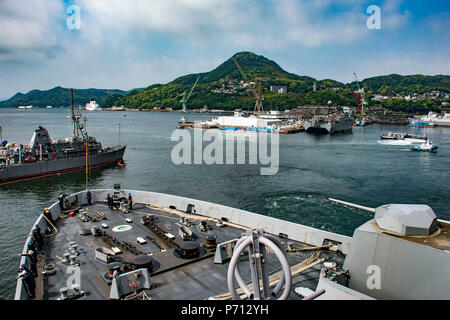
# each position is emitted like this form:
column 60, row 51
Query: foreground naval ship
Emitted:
column 118, row 244
column 45, row 157
column 329, row 124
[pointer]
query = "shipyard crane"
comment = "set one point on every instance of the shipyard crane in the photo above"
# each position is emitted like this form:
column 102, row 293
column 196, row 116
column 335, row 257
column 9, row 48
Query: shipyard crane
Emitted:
column 256, row 90
column 362, row 101
column 357, row 97
column 185, row 98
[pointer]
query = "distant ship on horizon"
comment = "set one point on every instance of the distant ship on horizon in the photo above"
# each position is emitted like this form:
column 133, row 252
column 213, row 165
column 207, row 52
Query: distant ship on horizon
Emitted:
column 92, row 106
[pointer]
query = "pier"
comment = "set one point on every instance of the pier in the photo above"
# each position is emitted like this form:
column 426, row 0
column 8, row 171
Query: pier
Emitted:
column 292, row 129
column 398, row 119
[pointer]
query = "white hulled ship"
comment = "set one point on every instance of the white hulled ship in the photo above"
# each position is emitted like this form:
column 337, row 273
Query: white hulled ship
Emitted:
column 92, row 106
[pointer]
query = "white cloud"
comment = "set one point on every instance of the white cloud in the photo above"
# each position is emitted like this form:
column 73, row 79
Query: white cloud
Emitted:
column 134, row 43
column 186, row 18
column 27, row 27
column 119, row 25
column 272, row 24
column 392, row 17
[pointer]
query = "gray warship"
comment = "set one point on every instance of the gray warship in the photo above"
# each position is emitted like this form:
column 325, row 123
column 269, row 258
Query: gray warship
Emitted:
column 329, row 124
column 44, row 157
column 118, row 244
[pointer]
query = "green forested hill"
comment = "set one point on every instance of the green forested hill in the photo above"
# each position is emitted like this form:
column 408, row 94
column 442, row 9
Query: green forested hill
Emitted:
column 404, row 85
column 300, row 88
column 59, row 96
column 252, row 64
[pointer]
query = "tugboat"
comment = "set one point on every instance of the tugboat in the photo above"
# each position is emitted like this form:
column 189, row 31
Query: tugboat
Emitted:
column 427, row 147
column 403, row 136
column 44, row 157
column 392, row 136
column 183, row 124
column 362, row 122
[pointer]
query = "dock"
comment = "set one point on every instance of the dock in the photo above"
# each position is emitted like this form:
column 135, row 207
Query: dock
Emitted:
column 398, row 119
column 292, row 129
column 185, row 125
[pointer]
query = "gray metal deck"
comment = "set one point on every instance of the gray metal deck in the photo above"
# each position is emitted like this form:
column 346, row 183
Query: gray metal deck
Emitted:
column 172, row 277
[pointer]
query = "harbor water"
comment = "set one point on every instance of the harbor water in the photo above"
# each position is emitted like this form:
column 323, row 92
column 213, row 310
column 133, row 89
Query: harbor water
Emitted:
column 352, row 167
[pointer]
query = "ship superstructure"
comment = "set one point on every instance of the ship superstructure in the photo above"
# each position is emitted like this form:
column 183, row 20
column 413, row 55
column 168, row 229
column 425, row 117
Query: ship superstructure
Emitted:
column 44, row 156
column 329, row 124
column 92, row 106
column 433, row 119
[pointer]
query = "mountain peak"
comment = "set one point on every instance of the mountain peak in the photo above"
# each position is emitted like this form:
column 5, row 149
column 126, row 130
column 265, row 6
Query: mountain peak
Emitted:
column 249, row 59
column 248, row 54
column 252, row 64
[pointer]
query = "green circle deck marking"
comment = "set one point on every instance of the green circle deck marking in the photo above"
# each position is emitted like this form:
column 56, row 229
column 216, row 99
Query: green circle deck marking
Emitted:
column 122, row 228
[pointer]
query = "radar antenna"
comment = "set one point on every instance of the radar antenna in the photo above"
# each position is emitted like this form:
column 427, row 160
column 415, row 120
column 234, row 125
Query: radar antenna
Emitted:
column 78, row 128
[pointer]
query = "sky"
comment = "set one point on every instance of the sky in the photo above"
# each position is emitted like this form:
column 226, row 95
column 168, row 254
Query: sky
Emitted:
column 135, row 43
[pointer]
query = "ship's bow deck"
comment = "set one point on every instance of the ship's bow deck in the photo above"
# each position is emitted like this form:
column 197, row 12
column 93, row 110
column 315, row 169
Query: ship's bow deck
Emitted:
column 172, row 276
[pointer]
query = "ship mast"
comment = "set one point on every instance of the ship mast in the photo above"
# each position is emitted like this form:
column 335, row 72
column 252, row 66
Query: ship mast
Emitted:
column 87, row 165
column 77, row 127
column 74, row 118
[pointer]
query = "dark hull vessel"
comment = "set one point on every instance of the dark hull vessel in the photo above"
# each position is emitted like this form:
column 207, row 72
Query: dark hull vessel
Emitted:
column 317, row 130
column 47, row 168
column 44, row 157
column 323, row 125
